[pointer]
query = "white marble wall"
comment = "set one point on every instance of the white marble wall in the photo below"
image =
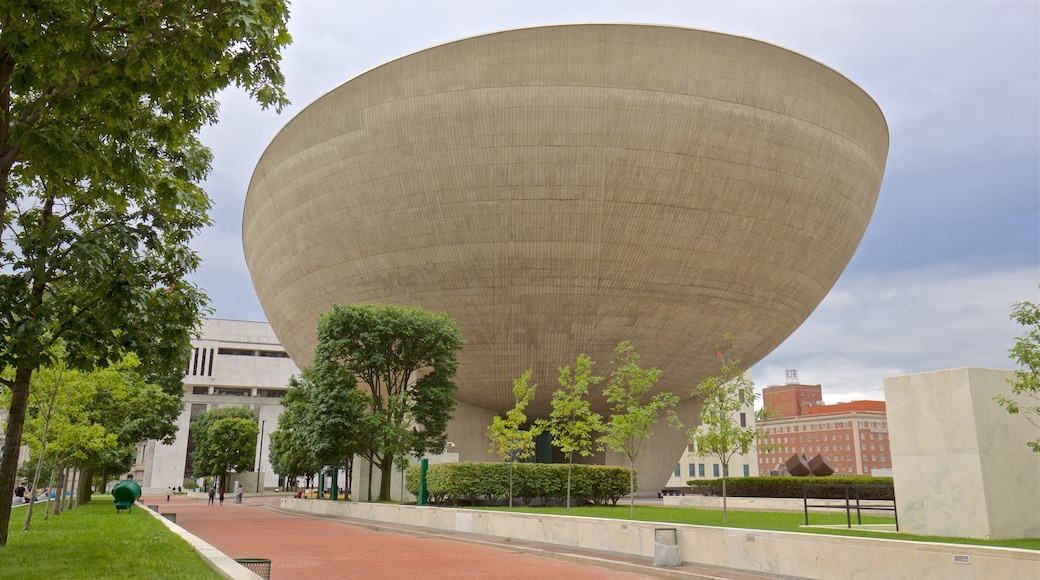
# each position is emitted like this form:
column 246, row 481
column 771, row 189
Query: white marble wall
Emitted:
column 960, row 462
column 784, row 554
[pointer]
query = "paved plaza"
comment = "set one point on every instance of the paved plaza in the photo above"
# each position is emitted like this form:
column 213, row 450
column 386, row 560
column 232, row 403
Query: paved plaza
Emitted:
column 302, row 547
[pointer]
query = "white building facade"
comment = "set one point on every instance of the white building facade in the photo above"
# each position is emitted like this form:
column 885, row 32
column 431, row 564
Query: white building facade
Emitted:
column 232, row 363
column 692, row 466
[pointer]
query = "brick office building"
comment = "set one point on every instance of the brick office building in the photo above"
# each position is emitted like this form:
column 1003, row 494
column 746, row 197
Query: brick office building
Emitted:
column 852, row 437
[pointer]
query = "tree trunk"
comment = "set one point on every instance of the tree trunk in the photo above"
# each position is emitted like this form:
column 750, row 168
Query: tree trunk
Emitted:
column 512, row 466
column 386, row 472
column 83, row 494
column 570, row 465
column 59, row 488
column 725, row 472
column 12, row 442
column 631, row 488
column 36, row 476
column 371, row 468
column 50, row 488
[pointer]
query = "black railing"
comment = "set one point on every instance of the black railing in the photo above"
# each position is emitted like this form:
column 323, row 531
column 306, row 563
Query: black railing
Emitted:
column 858, row 497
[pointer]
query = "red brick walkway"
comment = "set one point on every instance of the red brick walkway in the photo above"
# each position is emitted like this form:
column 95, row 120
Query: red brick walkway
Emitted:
column 302, row 547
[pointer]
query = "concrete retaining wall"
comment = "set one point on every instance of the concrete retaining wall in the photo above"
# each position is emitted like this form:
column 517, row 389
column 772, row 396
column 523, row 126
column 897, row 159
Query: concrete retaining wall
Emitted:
column 800, row 555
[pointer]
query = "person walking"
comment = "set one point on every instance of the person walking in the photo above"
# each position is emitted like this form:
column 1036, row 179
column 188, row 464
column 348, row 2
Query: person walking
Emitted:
column 222, row 496
column 169, row 492
column 238, row 493
column 212, row 494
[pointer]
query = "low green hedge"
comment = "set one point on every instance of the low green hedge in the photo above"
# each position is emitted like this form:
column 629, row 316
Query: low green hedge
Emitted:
column 472, row 482
column 786, row 486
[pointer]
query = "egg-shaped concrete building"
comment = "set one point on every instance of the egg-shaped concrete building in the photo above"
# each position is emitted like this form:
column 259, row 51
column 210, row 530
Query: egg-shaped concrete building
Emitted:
column 561, row 189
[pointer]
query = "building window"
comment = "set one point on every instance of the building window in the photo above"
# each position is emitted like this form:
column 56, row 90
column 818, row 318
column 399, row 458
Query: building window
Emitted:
column 200, row 390
column 715, row 469
column 700, row 470
column 747, row 471
column 693, row 472
column 273, row 353
column 231, row 392
column 676, row 470
column 743, row 420
column 236, row 352
column 275, row 393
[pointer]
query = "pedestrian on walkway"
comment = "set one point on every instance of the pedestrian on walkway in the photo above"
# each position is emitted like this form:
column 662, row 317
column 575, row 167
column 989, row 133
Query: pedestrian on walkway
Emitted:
column 169, row 492
column 238, row 492
column 222, row 496
column 212, row 494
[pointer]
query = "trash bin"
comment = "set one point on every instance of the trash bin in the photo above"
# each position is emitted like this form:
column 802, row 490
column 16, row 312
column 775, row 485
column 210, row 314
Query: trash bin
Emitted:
column 666, row 547
column 259, row 566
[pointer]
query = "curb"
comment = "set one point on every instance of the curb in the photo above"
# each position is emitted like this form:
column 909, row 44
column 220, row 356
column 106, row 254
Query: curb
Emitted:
column 219, row 561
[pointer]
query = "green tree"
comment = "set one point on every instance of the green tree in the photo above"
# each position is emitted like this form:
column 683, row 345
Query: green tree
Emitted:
column 509, row 439
column 225, row 441
column 100, row 106
column 720, row 434
column 406, row 357
column 572, row 423
column 1025, row 385
column 291, row 455
column 631, row 419
column 132, row 409
column 332, row 425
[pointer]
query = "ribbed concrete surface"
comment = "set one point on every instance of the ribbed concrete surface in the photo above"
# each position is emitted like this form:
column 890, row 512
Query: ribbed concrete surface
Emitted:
column 559, row 189
column 302, row 548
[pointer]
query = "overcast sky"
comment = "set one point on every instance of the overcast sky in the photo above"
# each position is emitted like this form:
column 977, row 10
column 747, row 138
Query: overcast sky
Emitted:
column 955, row 238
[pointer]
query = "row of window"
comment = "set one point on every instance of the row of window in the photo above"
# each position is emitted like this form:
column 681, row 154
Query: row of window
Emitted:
column 200, row 363
column 700, row 470
column 238, row 392
column 875, row 426
column 809, row 449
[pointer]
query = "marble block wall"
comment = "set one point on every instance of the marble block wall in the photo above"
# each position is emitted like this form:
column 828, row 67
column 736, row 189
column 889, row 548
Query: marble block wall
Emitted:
column 960, row 462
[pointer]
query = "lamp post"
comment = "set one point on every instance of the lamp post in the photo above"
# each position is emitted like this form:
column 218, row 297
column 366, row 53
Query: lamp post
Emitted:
column 260, row 456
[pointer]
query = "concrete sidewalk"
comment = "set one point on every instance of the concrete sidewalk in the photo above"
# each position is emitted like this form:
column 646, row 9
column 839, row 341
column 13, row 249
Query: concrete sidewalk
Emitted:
column 302, row 547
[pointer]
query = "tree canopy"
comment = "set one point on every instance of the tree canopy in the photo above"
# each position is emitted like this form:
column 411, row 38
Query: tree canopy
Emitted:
column 720, row 433
column 572, row 422
column 509, row 439
column 632, row 419
column 1025, row 385
column 225, row 441
column 406, row 358
column 100, row 105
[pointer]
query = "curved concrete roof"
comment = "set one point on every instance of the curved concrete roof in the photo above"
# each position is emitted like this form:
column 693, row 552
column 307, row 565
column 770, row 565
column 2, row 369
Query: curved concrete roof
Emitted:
column 560, row 189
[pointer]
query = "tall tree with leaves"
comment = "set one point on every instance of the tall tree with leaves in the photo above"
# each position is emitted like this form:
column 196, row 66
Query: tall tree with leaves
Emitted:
column 291, row 453
column 225, row 441
column 632, row 419
column 509, row 439
column 572, row 422
column 100, row 107
column 1025, row 385
column 720, row 434
column 406, row 357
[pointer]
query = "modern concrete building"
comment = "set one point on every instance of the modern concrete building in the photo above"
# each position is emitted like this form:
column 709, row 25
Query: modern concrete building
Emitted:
column 852, row 437
column 233, row 363
column 560, row 189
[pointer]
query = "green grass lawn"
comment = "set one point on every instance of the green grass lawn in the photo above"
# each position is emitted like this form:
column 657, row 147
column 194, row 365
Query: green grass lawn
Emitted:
column 758, row 520
column 93, row 541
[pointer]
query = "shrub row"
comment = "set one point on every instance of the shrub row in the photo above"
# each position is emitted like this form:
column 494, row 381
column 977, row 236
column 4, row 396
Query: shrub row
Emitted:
column 472, row 482
column 774, row 486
